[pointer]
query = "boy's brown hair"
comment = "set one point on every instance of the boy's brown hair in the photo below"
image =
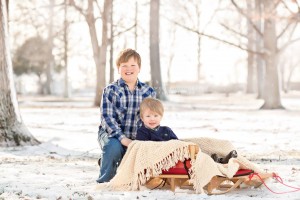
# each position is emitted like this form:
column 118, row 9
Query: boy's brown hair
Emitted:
column 154, row 105
column 126, row 54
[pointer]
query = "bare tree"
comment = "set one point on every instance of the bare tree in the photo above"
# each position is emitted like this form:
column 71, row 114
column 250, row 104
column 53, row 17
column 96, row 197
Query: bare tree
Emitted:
column 271, row 83
column 13, row 132
column 266, row 11
column 268, row 51
column 271, row 92
column 154, row 50
column 31, row 57
column 99, row 52
column 48, row 28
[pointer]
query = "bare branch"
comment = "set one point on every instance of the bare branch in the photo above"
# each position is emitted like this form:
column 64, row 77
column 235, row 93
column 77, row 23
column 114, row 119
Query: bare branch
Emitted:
column 287, row 44
column 78, row 8
column 187, row 11
column 124, row 31
column 294, row 15
column 286, row 6
column 276, row 3
column 214, row 38
column 298, row 5
column 291, row 21
column 212, row 16
column 99, row 8
column 292, row 32
column 247, row 17
column 275, row 6
column 284, row 30
column 32, row 19
column 234, row 31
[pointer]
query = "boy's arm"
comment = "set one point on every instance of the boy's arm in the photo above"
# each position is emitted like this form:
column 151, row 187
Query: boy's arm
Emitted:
column 125, row 141
column 109, row 114
column 172, row 134
column 142, row 135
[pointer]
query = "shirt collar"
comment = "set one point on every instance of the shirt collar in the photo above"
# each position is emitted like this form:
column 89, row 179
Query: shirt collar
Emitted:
column 123, row 83
column 153, row 129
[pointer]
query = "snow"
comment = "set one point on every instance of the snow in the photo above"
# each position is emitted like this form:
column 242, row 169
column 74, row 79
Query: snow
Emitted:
column 64, row 165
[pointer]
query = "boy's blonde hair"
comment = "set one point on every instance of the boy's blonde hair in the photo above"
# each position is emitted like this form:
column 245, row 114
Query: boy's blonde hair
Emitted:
column 154, row 105
column 126, row 54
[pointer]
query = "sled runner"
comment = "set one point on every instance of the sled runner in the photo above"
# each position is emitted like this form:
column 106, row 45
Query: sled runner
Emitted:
column 222, row 185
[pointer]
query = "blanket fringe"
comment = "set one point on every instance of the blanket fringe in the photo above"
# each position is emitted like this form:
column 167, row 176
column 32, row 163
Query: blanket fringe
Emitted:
column 180, row 154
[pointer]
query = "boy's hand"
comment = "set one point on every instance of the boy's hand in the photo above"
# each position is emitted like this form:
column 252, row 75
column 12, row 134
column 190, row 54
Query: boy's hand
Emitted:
column 125, row 141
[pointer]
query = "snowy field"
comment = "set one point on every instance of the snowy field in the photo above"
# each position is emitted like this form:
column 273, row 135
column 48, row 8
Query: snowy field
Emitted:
column 65, row 166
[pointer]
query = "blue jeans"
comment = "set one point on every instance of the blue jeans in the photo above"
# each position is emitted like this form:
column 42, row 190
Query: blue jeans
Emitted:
column 112, row 154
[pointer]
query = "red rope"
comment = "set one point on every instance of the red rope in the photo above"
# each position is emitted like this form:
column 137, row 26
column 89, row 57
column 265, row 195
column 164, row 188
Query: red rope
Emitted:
column 279, row 179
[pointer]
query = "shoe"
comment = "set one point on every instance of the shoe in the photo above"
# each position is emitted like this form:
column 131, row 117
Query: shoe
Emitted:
column 232, row 154
column 215, row 157
column 99, row 161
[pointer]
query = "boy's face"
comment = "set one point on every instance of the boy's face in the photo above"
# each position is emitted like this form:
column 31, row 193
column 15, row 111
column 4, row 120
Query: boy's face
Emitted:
column 129, row 71
column 151, row 119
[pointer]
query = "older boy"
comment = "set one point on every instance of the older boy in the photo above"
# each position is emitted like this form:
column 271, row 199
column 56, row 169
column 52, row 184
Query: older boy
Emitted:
column 120, row 113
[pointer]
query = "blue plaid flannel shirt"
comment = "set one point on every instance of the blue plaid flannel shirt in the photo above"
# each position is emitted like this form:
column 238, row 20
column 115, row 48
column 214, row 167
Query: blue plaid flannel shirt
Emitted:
column 120, row 112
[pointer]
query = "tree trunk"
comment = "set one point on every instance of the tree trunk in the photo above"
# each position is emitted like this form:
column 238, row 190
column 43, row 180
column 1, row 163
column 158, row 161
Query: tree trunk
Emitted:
column 135, row 25
column 50, row 57
column 67, row 93
column 103, row 50
column 171, row 53
column 198, row 14
column 13, row 132
column 154, row 51
column 111, row 54
column 271, row 82
column 250, row 45
column 91, row 21
column 258, row 46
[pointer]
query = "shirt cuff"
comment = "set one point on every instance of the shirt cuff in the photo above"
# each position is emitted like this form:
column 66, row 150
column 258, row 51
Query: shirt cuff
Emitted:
column 121, row 137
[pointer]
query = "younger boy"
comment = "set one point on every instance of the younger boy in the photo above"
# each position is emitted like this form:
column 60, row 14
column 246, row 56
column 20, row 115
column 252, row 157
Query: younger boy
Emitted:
column 120, row 113
column 151, row 113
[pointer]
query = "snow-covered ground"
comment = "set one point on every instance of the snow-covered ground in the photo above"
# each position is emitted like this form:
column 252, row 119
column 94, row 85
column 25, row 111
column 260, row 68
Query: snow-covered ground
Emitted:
column 65, row 166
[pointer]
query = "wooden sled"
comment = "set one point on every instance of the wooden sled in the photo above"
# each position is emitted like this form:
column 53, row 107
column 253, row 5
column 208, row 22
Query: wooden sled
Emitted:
column 217, row 185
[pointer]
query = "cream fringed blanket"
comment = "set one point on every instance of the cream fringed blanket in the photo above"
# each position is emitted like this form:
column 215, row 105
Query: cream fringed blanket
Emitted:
column 145, row 159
